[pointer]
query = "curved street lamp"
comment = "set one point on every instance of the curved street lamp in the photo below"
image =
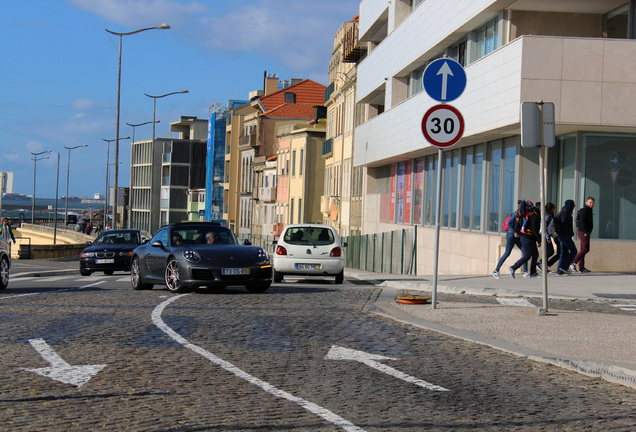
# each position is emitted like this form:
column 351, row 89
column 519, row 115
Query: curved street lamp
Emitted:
column 68, row 170
column 154, row 110
column 108, row 141
column 35, row 160
column 121, row 35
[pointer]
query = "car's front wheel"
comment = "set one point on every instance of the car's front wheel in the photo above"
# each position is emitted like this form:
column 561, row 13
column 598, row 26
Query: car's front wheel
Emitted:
column 4, row 273
column 173, row 279
column 135, row 276
column 258, row 287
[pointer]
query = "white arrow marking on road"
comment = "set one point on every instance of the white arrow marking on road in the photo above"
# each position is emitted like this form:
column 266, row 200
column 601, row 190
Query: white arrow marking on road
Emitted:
column 60, row 370
column 371, row 360
column 444, row 71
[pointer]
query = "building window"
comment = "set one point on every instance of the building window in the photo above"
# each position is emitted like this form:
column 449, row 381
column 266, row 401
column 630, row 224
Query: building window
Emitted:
column 302, row 160
column 616, row 23
column 291, row 212
column 494, row 187
column 430, row 191
column 415, row 84
column 486, row 39
column 293, row 163
column 458, row 52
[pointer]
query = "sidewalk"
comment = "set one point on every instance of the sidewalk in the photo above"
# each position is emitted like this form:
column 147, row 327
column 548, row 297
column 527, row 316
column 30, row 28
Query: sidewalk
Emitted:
column 594, row 344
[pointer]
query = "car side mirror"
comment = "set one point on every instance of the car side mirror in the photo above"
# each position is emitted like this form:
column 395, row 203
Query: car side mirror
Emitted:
column 345, row 244
column 89, row 243
column 246, row 242
column 157, row 243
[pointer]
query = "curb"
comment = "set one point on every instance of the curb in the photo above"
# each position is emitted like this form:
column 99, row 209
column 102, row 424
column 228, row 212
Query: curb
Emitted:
column 44, row 273
column 383, row 305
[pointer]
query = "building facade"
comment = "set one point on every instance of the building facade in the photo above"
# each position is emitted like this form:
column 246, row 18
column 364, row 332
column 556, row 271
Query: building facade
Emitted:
column 578, row 55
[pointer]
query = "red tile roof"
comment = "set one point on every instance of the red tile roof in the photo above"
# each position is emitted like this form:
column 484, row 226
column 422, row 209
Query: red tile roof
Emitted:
column 306, row 91
column 290, row 110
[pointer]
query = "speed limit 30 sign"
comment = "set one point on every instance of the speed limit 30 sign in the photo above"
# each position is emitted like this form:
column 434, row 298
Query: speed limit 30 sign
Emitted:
column 443, row 125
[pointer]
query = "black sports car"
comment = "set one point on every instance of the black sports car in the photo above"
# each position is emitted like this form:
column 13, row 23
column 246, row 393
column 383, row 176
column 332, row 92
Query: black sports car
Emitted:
column 111, row 251
column 5, row 264
column 187, row 255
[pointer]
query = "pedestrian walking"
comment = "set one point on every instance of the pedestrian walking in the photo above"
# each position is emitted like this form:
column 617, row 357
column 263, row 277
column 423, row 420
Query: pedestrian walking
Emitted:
column 550, row 234
column 584, row 226
column 7, row 233
column 512, row 239
column 565, row 232
column 530, row 236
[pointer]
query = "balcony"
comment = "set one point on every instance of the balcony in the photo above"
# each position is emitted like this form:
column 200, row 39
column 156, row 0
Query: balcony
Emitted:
column 248, row 140
column 267, row 194
column 327, row 147
column 324, row 204
column 352, row 51
column 329, row 90
column 278, row 228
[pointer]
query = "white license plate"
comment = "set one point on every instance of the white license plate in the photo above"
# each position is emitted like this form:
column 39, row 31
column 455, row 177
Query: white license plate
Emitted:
column 236, row 271
column 105, row 261
column 308, row 266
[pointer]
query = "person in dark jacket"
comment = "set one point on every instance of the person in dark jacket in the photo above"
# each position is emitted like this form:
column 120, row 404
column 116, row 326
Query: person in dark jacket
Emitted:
column 584, row 225
column 512, row 240
column 530, row 237
column 565, row 232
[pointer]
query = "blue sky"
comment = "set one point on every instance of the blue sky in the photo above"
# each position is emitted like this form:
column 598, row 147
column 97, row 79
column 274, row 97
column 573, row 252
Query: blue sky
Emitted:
column 59, row 72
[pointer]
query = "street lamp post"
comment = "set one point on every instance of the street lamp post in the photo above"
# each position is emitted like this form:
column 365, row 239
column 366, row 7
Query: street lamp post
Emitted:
column 154, row 111
column 35, row 160
column 68, row 170
column 108, row 141
column 130, row 187
column 159, row 27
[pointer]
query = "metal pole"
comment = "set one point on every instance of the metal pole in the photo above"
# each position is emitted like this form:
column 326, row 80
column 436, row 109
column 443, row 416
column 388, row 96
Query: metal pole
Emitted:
column 35, row 160
column 68, row 170
column 57, row 186
column 116, row 174
column 544, row 252
column 438, row 215
column 106, row 196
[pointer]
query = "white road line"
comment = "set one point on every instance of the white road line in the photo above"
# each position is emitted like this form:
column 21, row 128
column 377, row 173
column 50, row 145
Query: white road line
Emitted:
column 309, row 406
column 124, row 279
column 515, row 302
column 52, row 291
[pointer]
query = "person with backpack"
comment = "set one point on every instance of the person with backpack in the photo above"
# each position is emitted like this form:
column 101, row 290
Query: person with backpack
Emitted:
column 550, row 233
column 530, row 236
column 565, row 232
column 512, row 226
column 584, row 226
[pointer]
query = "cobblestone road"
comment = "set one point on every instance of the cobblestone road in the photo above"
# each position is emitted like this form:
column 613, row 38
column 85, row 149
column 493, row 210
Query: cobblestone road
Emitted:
column 238, row 356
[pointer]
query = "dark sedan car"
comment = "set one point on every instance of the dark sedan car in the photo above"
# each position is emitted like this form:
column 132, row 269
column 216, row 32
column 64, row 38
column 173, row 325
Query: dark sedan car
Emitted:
column 111, row 251
column 187, row 255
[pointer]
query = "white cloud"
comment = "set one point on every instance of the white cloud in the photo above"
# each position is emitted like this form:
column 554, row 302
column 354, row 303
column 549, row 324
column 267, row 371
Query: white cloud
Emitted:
column 87, row 104
column 298, row 34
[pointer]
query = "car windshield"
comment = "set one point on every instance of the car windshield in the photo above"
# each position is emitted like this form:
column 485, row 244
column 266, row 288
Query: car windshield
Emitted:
column 117, row 237
column 309, row 235
column 191, row 235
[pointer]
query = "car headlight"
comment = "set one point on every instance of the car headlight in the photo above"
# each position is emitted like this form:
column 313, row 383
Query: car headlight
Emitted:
column 191, row 256
column 129, row 253
column 88, row 255
column 262, row 255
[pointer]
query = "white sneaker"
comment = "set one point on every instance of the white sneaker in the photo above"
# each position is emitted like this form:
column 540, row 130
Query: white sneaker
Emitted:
column 526, row 274
column 495, row 274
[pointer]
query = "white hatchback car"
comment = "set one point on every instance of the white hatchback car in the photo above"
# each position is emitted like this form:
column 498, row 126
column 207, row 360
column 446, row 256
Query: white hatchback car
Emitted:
column 309, row 250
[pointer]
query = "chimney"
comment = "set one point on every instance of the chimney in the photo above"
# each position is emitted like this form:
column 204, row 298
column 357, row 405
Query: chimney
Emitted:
column 320, row 112
column 271, row 84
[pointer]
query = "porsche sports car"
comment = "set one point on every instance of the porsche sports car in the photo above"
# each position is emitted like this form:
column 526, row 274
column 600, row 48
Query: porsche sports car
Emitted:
column 111, row 251
column 187, row 255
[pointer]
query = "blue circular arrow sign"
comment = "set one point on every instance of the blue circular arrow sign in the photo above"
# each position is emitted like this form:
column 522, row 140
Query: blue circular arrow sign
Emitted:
column 444, row 80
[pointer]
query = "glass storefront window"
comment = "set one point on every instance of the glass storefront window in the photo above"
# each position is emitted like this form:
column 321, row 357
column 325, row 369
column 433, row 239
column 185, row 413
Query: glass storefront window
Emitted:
column 510, row 151
column 477, row 186
column 431, row 181
column 494, row 189
column 468, row 187
column 609, row 169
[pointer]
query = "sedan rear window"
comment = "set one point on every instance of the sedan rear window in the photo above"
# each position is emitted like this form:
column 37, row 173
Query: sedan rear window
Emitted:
column 309, row 235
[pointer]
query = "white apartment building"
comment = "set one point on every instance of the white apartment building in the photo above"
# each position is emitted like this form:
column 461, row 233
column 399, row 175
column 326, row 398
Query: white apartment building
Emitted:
column 580, row 55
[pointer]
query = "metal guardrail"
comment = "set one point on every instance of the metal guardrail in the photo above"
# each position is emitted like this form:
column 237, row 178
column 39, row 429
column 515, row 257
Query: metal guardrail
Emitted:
column 388, row 252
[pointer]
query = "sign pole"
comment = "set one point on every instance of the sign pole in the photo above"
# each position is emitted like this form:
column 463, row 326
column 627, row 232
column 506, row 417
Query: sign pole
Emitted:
column 438, row 216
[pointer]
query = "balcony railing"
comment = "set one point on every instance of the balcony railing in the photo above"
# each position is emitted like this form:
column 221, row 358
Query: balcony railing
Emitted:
column 248, row 140
column 267, row 194
column 327, row 147
column 329, row 90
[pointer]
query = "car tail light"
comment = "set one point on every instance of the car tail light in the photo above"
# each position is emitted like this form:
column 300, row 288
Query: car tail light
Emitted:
column 280, row 250
column 335, row 252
